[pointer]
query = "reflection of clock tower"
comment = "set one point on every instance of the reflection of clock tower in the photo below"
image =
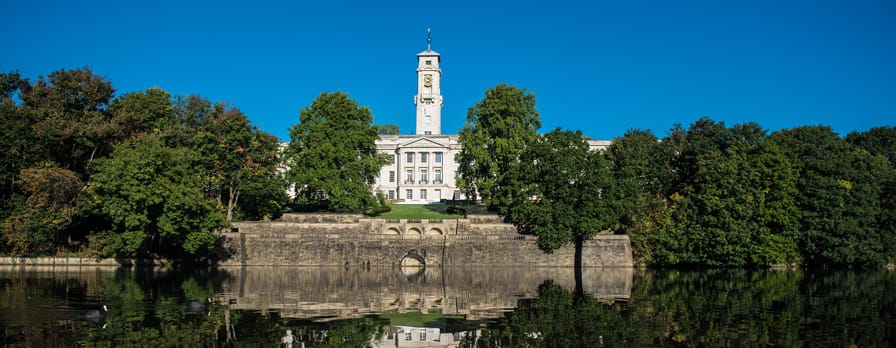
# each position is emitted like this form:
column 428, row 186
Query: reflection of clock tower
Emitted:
column 429, row 98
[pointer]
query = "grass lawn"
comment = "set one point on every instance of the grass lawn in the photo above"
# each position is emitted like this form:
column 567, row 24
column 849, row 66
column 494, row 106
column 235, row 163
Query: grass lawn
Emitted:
column 427, row 211
column 419, row 320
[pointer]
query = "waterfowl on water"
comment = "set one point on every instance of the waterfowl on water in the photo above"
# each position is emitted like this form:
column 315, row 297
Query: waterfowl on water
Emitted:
column 95, row 315
column 197, row 306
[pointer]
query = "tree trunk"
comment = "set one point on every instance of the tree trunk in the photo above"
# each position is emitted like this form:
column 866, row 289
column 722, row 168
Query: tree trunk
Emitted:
column 579, row 291
column 231, row 202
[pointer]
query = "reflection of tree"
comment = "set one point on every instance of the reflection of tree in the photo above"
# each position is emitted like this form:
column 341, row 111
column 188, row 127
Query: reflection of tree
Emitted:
column 557, row 318
column 147, row 309
column 266, row 329
column 711, row 308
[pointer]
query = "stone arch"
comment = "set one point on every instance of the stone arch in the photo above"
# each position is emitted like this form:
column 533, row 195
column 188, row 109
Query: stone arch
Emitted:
column 392, row 230
column 435, row 231
column 413, row 231
column 412, row 259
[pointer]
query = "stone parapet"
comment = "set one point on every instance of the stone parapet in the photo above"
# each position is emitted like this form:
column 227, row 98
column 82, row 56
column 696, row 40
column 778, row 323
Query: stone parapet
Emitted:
column 485, row 219
column 321, row 218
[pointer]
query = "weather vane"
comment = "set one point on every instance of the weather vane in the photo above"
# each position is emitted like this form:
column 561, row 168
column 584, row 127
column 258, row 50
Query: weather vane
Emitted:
column 428, row 38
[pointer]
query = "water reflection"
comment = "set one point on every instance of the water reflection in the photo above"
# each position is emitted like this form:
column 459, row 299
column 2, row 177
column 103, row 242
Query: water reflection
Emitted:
column 475, row 293
column 451, row 307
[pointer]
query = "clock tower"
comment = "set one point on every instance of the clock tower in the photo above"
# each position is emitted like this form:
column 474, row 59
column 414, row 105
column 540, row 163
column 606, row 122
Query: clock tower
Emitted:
column 429, row 98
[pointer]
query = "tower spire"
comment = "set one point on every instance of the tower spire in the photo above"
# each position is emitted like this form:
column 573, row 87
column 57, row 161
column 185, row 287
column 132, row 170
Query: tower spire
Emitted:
column 428, row 38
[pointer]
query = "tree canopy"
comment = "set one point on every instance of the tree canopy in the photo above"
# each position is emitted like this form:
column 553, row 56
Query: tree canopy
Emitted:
column 734, row 196
column 154, row 202
column 141, row 174
column 565, row 190
column 497, row 131
column 332, row 155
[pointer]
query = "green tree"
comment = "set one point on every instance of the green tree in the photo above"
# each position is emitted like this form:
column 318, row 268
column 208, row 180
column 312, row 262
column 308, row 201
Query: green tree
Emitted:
column 881, row 141
column 741, row 207
column 39, row 223
column 637, row 175
column 70, row 117
column 332, row 157
column 236, row 153
column 711, row 195
column 17, row 138
column 138, row 113
column 839, row 193
column 877, row 141
column 498, row 129
column 567, row 195
column 152, row 198
column 258, row 189
column 388, row 129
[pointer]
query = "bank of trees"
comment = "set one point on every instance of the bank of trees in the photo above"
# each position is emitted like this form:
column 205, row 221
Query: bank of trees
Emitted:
column 148, row 174
column 734, row 196
column 143, row 174
column 708, row 194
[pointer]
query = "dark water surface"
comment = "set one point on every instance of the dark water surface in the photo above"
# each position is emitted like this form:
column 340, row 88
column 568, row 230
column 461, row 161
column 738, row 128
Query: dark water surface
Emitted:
column 450, row 307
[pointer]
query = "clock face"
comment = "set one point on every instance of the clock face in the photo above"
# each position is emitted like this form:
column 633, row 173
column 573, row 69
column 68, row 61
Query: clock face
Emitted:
column 427, row 80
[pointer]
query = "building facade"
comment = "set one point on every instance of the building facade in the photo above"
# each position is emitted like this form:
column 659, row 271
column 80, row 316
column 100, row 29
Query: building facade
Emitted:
column 422, row 167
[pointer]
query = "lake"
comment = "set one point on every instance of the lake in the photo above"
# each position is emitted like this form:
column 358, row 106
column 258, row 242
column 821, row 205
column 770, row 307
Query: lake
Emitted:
column 446, row 307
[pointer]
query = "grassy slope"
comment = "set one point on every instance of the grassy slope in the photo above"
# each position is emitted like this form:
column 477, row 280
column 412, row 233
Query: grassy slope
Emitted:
column 419, row 320
column 426, row 211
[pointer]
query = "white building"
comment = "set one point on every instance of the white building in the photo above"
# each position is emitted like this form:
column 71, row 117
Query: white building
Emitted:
column 423, row 166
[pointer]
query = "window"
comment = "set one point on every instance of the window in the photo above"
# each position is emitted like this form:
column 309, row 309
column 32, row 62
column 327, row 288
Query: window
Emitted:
column 424, row 178
column 428, row 62
column 437, row 196
column 423, row 194
column 424, row 156
column 438, row 176
column 391, row 194
column 427, row 132
column 455, row 158
column 410, row 157
column 410, row 195
column 407, row 336
column 409, row 176
column 391, row 176
column 422, row 335
column 392, row 159
column 438, row 158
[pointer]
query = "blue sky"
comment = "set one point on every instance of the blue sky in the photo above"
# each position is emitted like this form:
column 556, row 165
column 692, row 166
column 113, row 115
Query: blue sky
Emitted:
column 599, row 66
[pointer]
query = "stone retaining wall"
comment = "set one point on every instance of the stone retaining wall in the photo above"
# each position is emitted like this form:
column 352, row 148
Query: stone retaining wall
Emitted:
column 77, row 261
column 478, row 241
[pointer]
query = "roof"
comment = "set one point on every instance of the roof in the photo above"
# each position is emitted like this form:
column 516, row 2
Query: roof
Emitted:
column 428, row 53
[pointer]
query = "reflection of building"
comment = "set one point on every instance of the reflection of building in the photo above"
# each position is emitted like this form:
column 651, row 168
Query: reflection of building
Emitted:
column 473, row 293
column 409, row 336
column 460, row 293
